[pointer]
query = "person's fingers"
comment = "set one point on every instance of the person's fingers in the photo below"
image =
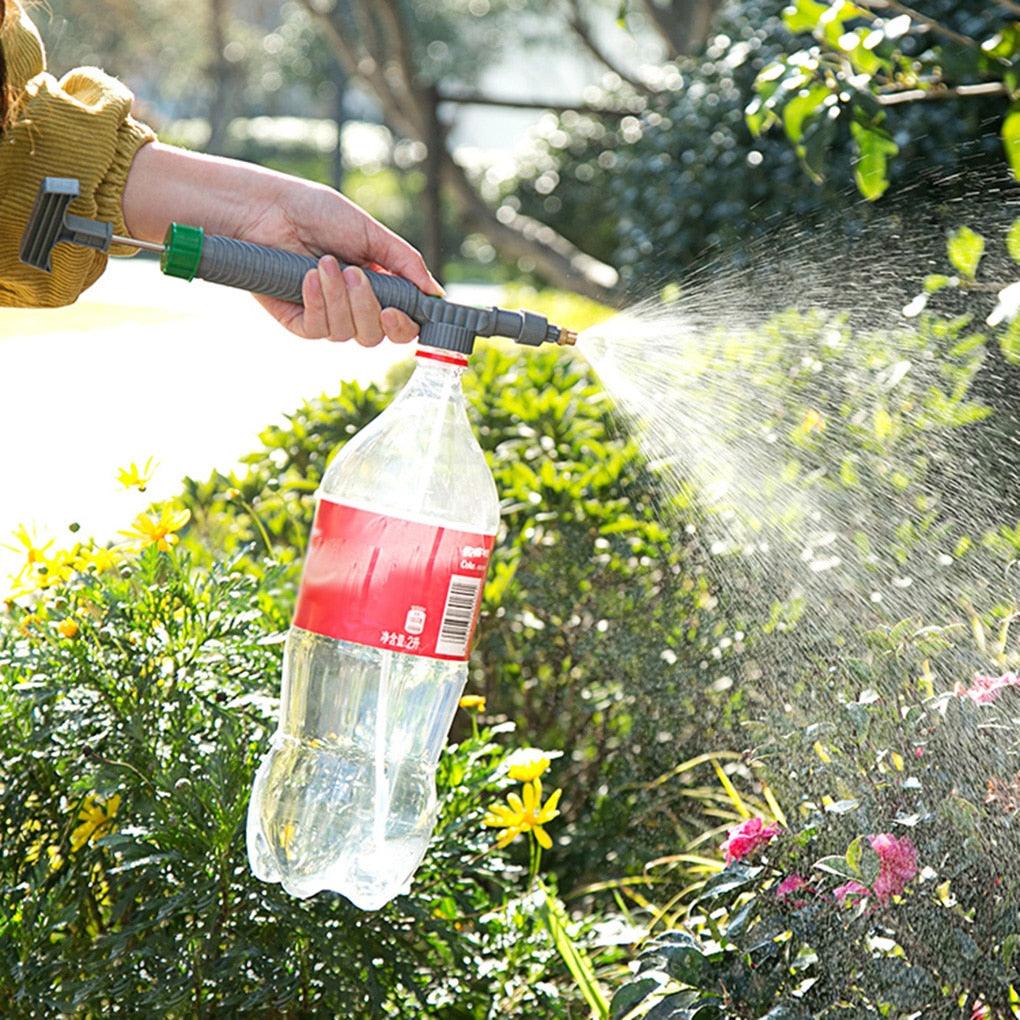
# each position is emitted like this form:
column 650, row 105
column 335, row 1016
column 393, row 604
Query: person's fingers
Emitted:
column 288, row 314
column 400, row 328
column 314, row 323
column 364, row 307
column 342, row 323
column 395, row 254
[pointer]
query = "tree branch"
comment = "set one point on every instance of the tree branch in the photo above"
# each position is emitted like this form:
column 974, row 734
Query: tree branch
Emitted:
column 391, row 78
column 478, row 99
column 991, row 88
column 921, row 19
column 575, row 18
column 365, row 68
column 519, row 236
column 684, row 25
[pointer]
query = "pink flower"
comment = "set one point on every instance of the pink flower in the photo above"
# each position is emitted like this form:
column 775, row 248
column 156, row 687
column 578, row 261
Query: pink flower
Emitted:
column 748, row 836
column 852, row 891
column 897, row 864
column 790, row 885
column 980, row 1011
column 987, row 689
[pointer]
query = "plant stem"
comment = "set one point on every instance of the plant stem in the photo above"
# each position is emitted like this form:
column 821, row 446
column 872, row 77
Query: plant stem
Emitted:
column 536, row 860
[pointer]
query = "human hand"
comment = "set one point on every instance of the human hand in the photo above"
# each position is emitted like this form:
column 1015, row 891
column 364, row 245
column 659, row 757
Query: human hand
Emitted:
column 253, row 204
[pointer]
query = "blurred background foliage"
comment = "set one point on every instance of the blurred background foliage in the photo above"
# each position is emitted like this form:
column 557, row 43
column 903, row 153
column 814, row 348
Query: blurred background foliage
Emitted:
column 641, row 134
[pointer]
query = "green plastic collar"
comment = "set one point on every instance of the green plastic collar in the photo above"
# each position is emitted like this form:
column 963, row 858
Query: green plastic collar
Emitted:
column 183, row 251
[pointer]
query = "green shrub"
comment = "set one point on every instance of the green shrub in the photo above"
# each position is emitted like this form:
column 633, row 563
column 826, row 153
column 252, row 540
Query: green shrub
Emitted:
column 135, row 702
column 891, row 890
column 683, row 176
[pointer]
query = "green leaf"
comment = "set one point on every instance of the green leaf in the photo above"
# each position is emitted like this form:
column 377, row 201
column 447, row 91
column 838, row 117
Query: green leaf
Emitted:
column 874, row 147
column 831, row 22
column 965, row 248
column 631, row 995
column 863, row 860
column 934, row 282
column 1009, row 947
column 1005, row 44
column 883, row 423
column 853, row 855
column 1009, row 342
column 1013, row 241
column 802, row 106
column 803, row 15
column 574, row 957
column 1011, row 138
column 816, row 147
column 837, row 865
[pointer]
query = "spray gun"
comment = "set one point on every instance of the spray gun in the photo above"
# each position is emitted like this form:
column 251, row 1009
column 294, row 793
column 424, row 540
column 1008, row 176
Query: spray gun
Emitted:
column 188, row 252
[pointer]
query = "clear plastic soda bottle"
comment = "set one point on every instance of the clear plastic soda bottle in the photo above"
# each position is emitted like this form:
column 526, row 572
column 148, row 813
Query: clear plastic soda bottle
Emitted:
column 376, row 658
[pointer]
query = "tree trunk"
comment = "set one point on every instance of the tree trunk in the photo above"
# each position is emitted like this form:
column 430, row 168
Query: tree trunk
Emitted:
column 373, row 45
column 220, row 73
column 521, row 237
column 339, row 115
column 580, row 28
column 685, row 25
column 435, row 143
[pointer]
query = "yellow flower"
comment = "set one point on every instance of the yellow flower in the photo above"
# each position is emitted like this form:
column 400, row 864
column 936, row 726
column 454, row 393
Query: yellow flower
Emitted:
column 28, row 622
column 473, row 702
column 527, row 815
column 149, row 530
column 95, row 819
column 58, row 568
column 527, row 764
column 133, row 477
column 101, row 558
column 68, row 628
column 44, row 572
column 28, row 545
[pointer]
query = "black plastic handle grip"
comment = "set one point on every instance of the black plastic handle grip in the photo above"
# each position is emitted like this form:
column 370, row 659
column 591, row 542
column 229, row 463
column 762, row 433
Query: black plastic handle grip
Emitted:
column 279, row 274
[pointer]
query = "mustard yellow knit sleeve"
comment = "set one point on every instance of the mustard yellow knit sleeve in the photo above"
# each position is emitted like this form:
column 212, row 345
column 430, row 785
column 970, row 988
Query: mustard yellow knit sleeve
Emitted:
column 80, row 126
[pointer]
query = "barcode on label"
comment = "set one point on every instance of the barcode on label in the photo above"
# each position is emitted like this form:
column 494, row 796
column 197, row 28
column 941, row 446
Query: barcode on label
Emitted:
column 458, row 615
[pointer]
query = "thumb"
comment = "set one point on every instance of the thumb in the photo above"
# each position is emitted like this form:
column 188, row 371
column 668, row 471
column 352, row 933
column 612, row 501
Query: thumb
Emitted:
column 394, row 254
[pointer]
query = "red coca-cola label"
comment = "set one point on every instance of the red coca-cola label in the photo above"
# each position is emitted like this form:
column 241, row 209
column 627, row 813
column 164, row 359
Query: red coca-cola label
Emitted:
column 391, row 583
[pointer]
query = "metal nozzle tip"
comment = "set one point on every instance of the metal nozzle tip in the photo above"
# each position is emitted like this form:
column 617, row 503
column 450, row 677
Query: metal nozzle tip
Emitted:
column 567, row 338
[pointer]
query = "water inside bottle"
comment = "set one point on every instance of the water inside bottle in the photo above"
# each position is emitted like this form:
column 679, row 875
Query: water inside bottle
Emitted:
column 346, row 798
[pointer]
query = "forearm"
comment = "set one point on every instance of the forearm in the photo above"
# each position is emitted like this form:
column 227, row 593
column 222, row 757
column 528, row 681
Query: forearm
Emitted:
column 168, row 185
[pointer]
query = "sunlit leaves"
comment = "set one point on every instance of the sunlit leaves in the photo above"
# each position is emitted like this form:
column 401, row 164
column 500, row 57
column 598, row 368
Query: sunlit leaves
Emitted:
column 935, row 282
column 1013, row 241
column 965, row 249
column 860, row 57
column 884, row 425
column 803, row 15
column 1011, row 138
column 1009, row 342
column 875, row 147
column 805, row 103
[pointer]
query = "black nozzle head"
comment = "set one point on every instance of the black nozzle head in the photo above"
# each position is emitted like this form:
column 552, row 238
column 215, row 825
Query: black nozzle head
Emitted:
column 50, row 224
